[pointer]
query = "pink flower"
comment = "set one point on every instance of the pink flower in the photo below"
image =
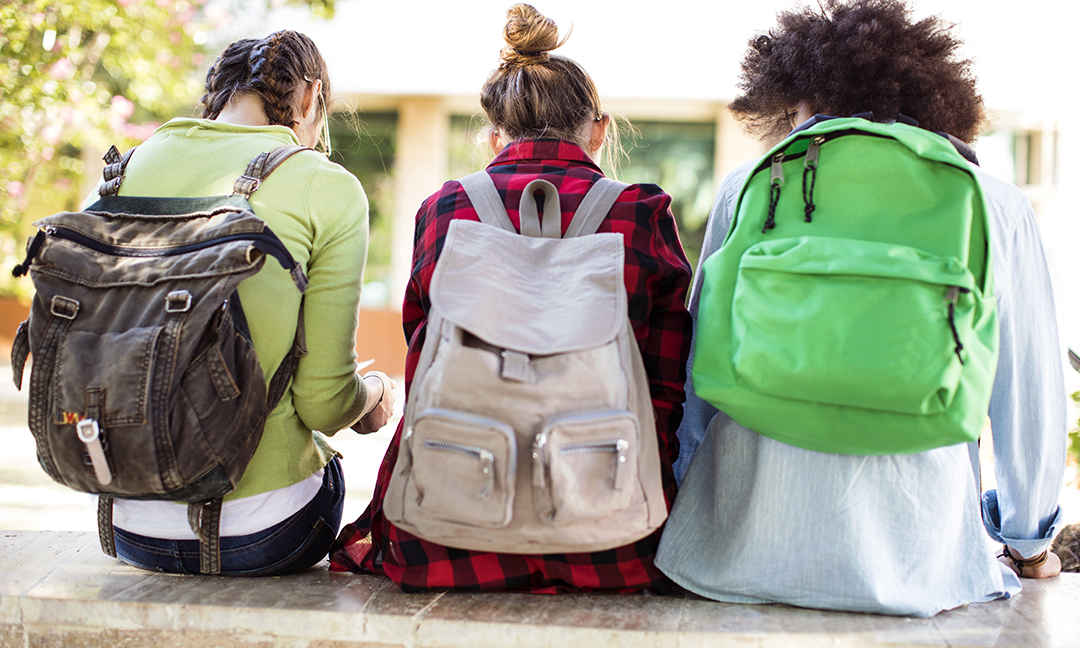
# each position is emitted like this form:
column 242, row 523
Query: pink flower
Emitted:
column 139, row 131
column 14, row 188
column 51, row 134
column 62, row 69
column 122, row 106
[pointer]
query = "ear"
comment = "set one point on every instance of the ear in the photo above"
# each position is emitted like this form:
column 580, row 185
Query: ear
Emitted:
column 309, row 104
column 598, row 133
column 495, row 140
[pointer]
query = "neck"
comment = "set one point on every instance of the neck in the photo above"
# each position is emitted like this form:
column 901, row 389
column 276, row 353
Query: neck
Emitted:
column 244, row 110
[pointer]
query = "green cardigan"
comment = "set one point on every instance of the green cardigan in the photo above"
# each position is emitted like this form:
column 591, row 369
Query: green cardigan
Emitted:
column 320, row 212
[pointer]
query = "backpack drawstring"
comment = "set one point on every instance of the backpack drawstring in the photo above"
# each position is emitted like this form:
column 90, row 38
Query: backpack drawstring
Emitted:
column 810, row 168
column 776, row 180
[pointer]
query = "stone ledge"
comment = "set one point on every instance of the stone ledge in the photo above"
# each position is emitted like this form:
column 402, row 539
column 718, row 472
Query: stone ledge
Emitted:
column 58, row 589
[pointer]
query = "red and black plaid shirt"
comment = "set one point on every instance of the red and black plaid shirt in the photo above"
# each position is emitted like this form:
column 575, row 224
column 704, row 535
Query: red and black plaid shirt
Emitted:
column 657, row 277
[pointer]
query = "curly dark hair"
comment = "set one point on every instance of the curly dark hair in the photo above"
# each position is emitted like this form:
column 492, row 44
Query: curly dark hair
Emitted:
column 854, row 56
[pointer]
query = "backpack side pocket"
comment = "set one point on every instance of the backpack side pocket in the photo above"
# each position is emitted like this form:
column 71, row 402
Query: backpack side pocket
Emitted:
column 585, row 466
column 462, row 469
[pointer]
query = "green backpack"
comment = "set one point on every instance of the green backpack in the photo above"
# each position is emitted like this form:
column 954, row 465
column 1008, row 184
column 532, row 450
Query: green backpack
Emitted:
column 854, row 314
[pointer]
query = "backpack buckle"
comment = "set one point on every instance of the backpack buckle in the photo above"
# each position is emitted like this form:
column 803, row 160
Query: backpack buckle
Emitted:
column 64, row 307
column 246, row 185
column 178, row 301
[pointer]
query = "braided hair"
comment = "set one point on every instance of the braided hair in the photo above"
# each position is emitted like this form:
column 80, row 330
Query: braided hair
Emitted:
column 276, row 69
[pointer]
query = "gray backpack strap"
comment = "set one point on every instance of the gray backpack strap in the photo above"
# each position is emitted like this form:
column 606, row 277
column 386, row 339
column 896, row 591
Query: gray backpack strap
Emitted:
column 261, row 167
column 530, row 219
column 483, row 195
column 594, row 207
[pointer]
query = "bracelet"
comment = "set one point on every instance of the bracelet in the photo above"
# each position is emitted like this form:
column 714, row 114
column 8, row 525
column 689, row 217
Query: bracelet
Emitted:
column 1021, row 563
column 381, row 394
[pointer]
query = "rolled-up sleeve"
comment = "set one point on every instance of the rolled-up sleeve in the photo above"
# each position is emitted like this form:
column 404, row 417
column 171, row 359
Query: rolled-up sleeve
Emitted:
column 1027, row 409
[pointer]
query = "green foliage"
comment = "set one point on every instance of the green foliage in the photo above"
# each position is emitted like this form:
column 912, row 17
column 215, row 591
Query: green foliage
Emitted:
column 80, row 75
column 1074, row 434
column 679, row 158
column 77, row 76
column 365, row 145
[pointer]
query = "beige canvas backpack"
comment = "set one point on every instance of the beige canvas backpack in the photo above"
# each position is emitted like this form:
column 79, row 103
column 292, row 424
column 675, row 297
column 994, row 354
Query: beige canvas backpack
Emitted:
column 529, row 427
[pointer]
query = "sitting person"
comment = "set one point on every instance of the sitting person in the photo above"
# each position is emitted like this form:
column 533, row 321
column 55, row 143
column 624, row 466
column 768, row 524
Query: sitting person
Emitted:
column 546, row 123
column 284, row 514
column 758, row 520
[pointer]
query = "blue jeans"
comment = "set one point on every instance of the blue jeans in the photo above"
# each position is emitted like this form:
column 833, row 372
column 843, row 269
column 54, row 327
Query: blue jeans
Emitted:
column 289, row 546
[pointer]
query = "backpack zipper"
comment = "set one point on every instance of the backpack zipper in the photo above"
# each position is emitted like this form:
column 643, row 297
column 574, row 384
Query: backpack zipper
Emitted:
column 812, row 153
column 776, row 180
column 268, row 243
column 539, row 454
column 617, row 446
column 485, row 457
column 952, row 296
column 810, row 165
column 476, row 421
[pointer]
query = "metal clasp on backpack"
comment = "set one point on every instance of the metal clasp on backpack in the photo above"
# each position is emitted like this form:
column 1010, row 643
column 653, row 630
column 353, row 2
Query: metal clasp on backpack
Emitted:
column 64, row 307
column 178, row 301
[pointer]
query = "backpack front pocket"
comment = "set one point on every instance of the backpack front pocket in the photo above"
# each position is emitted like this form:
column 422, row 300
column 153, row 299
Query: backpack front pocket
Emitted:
column 585, row 466
column 463, row 467
column 852, row 323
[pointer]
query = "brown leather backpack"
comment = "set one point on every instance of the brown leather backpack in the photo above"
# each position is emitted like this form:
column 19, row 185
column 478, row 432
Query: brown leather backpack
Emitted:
column 145, row 384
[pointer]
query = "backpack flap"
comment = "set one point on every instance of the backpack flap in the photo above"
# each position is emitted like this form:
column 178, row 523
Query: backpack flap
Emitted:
column 131, row 328
column 487, row 276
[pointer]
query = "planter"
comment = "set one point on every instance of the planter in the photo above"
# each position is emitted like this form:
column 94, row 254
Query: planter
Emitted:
column 381, row 338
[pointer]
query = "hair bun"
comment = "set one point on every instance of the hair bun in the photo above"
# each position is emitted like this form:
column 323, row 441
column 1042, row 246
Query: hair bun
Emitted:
column 529, row 36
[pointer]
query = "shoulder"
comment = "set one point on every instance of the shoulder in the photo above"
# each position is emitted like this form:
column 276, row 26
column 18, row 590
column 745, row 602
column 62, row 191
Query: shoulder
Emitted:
column 642, row 200
column 1008, row 208
column 321, row 170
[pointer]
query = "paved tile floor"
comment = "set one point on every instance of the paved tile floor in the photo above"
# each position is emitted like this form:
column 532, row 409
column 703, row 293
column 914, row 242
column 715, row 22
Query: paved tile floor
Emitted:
column 58, row 589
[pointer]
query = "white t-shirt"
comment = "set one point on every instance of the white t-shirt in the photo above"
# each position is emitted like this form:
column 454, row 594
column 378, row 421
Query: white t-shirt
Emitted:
column 244, row 516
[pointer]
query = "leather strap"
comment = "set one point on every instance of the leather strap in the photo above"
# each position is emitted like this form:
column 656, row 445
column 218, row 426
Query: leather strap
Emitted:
column 20, row 350
column 105, row 526
column 204, row 518
column 262, row 166
column 115, row 167
column 283, row 374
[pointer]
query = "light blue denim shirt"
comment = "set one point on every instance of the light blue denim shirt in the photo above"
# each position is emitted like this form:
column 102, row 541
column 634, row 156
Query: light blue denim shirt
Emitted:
column 759, row 521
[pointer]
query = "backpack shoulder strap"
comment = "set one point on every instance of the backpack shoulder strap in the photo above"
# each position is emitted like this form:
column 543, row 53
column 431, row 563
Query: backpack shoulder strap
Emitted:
column 483, row 195
column 262, row 166
column 594, row 207
column 113, row 175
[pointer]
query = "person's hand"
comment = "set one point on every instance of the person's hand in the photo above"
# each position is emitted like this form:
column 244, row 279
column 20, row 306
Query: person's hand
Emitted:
column 380, row 388
column 1045, row 565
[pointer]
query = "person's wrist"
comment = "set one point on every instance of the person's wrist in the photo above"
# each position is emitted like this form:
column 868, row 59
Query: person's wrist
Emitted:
column 382, row 390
